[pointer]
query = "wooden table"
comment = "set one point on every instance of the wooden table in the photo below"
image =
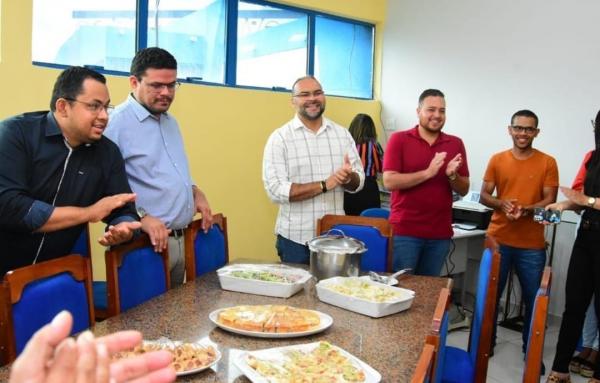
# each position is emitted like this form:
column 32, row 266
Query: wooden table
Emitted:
column 391, row 344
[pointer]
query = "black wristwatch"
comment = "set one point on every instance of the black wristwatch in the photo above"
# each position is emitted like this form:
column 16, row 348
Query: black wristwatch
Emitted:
column 323, row 187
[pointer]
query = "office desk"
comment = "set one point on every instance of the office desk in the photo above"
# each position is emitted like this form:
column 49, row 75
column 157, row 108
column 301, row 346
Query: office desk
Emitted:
column 391, row 344
column 465, row 258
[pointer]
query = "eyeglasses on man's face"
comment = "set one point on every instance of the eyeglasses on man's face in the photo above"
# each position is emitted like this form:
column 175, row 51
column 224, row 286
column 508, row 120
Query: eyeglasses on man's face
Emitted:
column 523, row 129
column 316, row 93
column 159, row 86
column 94, row 107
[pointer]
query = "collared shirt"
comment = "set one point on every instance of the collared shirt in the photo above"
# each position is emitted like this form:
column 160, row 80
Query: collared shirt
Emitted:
column 155, row 161
column 425, row 210
column 295, row 154
column 38, row 171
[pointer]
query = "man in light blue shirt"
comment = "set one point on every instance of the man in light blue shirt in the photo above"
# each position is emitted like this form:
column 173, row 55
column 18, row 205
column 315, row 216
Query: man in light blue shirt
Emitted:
column 155, row 159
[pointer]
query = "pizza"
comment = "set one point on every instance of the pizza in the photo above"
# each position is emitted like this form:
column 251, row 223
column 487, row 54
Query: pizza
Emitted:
column 325, row 363
column 186, row 356
column 269, row 318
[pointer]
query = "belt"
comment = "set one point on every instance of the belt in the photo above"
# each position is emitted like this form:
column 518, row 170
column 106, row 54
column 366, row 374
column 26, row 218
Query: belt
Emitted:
column 587, row 224
column 176, row 233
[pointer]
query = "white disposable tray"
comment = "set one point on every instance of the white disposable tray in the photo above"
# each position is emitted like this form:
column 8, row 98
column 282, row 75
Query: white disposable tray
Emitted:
column 364, row 306
column 254, row 286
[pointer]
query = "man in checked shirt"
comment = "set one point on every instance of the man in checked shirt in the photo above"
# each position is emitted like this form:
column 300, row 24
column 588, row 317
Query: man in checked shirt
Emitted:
column 307, row 165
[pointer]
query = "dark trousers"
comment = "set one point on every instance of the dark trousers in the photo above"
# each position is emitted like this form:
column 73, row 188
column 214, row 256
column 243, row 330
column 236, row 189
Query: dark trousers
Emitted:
column 583, row 281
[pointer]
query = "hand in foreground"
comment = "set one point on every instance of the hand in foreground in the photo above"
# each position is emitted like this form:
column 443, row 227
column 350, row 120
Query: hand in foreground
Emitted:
column 203, row 208
column 157, row 231
column 454, row 164
column 119, row 233
column 50, row 356
column 436, row 164
column 105, row 205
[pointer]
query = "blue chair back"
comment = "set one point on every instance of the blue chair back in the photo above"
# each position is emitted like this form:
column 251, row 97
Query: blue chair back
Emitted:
column 375, row 258
column 43, row 299
column 441, row 354
column 376, row 233
column 206, row 252
column 36, row 293
column 135, row 273
column 485, row 268
column 376, row 212
column 82, row 245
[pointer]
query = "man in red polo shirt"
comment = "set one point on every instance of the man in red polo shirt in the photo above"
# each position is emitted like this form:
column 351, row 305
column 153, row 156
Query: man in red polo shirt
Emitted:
column 422, row 166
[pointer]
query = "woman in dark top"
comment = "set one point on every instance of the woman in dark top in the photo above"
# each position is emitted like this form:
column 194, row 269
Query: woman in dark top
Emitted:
column 363, row 131
column 583, row 277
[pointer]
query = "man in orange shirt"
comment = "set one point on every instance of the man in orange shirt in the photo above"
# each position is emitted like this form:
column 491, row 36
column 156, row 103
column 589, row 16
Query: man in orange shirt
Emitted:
column 524, row 178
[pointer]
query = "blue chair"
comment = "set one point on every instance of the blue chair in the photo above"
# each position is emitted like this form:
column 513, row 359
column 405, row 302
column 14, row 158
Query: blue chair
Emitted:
column 82, row 246
column 376, row 233
column 205, row 252
column 537, row 330
column 376, row 212
column 33, row 295
column 135, row 273
column 462, row 366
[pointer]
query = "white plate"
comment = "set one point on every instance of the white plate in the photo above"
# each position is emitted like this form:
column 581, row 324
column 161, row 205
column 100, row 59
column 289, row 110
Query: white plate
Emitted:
column 325, row 322
column 277, row 354
column 167, row 342
column 255, row 286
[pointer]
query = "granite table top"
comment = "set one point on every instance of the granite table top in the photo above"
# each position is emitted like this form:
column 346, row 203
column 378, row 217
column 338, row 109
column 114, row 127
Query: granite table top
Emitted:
column 391, row 344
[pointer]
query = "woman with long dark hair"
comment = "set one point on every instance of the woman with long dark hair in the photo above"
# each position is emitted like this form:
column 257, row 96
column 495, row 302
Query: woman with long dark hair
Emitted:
column 583, row 277
column 362, row 129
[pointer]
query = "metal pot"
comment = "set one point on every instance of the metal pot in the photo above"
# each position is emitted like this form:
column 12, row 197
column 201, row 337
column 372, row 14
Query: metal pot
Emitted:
column 335, row 255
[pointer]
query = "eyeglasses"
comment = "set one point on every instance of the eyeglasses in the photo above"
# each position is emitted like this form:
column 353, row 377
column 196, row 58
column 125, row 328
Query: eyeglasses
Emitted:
column 523, row 129
column 316, row 93
column 94, row 107
column 158, row 86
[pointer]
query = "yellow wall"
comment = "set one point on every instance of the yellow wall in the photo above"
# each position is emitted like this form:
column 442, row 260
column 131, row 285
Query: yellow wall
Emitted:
column 224, row 129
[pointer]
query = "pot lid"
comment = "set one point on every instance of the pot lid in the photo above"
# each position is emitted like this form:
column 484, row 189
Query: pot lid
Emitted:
column 338, row 244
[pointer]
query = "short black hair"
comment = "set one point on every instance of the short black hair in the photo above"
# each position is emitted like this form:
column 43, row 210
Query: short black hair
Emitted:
column 524, row 113
column 69, row 83
column 430, row 93
column 155, row 58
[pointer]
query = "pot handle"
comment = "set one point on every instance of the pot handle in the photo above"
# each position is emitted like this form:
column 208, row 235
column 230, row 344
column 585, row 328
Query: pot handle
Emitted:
column 330, row 230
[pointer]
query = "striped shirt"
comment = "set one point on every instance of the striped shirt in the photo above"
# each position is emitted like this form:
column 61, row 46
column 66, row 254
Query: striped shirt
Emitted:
column 295, row 154
column 371, row 155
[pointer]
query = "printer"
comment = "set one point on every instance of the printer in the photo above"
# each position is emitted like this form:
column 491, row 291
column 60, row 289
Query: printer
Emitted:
column 469, row 213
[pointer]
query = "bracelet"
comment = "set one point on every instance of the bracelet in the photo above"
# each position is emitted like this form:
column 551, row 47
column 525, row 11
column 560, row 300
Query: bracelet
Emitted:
column 323, row 187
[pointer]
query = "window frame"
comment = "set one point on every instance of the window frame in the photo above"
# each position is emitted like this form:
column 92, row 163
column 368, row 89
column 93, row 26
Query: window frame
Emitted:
column 231, row 41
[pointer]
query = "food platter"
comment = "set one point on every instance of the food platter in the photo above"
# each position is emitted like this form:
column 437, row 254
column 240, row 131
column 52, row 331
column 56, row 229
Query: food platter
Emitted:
column 325, row 322
column 188, row 358
column 257, row 365
column 263, row 279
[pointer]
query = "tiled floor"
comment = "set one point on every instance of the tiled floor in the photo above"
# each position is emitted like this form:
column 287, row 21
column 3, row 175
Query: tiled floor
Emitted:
column 507, row 363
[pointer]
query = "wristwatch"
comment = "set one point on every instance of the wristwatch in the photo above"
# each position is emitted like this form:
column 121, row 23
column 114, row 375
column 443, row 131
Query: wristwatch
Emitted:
column 141, row 212
column 323, row 187
column 591, row 201
column 452, row 176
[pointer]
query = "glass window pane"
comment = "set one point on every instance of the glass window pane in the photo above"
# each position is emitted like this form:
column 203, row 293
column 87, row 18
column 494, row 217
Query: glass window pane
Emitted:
column 194, row 32
column 344, row 57
column 271, row 46
column 84, row 32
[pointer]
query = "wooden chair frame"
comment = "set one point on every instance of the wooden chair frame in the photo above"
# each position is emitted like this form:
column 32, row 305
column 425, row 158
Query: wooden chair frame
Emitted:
column 15, row 282
column 328, row 221
column 537, row 332
column 114, row 259
column 190, row 235
column 425, row 365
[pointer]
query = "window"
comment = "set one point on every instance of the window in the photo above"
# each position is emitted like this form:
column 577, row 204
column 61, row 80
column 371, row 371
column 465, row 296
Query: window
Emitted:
column 194, row 32
column 344, row 57
column 252, row 43
column 84, row 32
column 271, row 46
